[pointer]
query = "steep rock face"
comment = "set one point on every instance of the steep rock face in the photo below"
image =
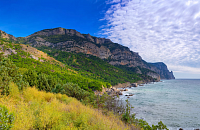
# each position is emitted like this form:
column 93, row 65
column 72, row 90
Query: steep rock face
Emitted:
column 163, row 71
column 57, row 31
column 126, row 57
column 154, row 75
column 74, row 41
column 70, row 40
column 88, row 36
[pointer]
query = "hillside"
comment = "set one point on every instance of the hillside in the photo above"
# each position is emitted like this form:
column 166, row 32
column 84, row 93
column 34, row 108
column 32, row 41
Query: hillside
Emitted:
column 35, row 88
column 89, row 72
column 86, row 66
column 70, row 40
column 28, row 58
column 84, row 63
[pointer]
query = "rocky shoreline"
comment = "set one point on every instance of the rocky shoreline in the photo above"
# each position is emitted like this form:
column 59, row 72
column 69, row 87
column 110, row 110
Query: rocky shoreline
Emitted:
column 118, row 89
column 115, row 91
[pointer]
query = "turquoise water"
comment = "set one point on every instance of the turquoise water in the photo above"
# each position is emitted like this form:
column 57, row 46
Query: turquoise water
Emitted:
column 174, row 102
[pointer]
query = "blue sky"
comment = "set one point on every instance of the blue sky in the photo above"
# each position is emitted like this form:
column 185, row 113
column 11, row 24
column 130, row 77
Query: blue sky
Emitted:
column 24, row 17
column 160, row 30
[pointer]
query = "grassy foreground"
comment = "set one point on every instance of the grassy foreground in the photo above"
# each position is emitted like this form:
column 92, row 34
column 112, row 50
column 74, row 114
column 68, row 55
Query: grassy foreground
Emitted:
column 35, row 109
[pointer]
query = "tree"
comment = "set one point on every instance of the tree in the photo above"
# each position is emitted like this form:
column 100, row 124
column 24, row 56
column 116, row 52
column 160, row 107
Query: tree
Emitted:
column 31, row 77
column 73, row 90
column 95, row 85
column 51, row 81
column 9, row 73
column 58, row 89
column 43, row 83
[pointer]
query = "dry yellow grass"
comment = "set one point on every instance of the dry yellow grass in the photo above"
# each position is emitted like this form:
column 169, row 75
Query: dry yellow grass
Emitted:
column 35, row 109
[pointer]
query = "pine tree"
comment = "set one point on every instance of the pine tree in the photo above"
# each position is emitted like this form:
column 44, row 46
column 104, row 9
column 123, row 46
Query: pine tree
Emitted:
column 43, row 83
column 9, row 73
column 31, row 77
column 51, row 81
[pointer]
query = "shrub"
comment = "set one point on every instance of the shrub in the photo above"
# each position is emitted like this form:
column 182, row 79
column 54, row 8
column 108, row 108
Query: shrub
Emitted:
column 9, row 73
column 73, row 90
column 58, row 89
column 6, row 119
column 95, row 85
column 110, row 103
column 127, row 117
column 30, row 76
column 39, row 110
column 51, row 81
column 43, row 83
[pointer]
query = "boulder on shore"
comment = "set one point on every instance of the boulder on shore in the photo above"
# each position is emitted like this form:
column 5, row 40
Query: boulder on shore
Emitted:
column 134, row 84
column 125, row 89
column 129, row 95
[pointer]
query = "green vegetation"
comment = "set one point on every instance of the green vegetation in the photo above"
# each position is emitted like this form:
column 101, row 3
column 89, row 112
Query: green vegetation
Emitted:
column 93, row 67
column 144, row 72
column 58, row 73
column 39, row 110
column 73, row 90
column 46, row 74
column 6, row 119
column 9, row 73
column 37, row 94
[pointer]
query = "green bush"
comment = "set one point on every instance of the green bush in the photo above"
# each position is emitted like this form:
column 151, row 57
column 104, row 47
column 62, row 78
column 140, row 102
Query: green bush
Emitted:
column 31, row 77
column 127, row 117
column 51, row 81
column 58, row 89
column 95, row 85
column 73, row 90
column 9, row 73
column 43, row 83
column 6, row 119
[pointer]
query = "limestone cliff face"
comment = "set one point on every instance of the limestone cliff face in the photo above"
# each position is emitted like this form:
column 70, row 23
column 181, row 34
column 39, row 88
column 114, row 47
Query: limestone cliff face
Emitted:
column 154, row 75
column 74, row 41
column 163, row 71
column 70, row 40
column 78, row 43
column 57, row 31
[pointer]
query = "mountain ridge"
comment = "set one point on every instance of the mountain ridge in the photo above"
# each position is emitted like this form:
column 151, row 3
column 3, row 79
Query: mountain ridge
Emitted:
column 70, row 40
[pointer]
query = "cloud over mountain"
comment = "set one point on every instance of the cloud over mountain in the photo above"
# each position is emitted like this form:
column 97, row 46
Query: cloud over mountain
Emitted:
column 160, row 30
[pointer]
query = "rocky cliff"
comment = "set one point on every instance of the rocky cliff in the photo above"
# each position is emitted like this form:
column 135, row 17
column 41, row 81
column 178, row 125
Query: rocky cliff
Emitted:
column 163, row 70
column 70, row 40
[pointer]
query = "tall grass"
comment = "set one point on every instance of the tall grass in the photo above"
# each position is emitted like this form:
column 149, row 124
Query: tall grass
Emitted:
column 35, row 109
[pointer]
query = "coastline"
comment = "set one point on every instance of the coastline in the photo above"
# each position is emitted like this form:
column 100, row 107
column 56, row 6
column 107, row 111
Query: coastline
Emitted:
column 155, row 95
column 121, row 87
column 118, row 89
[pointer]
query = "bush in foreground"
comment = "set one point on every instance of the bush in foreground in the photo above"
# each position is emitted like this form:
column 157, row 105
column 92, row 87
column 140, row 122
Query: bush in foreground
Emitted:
column 35, row 109
column 6, row 119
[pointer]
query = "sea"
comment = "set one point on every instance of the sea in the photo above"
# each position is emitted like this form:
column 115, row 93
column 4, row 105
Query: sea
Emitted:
column 174, row 102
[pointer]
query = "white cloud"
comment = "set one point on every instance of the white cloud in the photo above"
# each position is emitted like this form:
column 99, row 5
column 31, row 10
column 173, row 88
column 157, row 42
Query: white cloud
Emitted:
column 160, row 30
column 184, row 69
